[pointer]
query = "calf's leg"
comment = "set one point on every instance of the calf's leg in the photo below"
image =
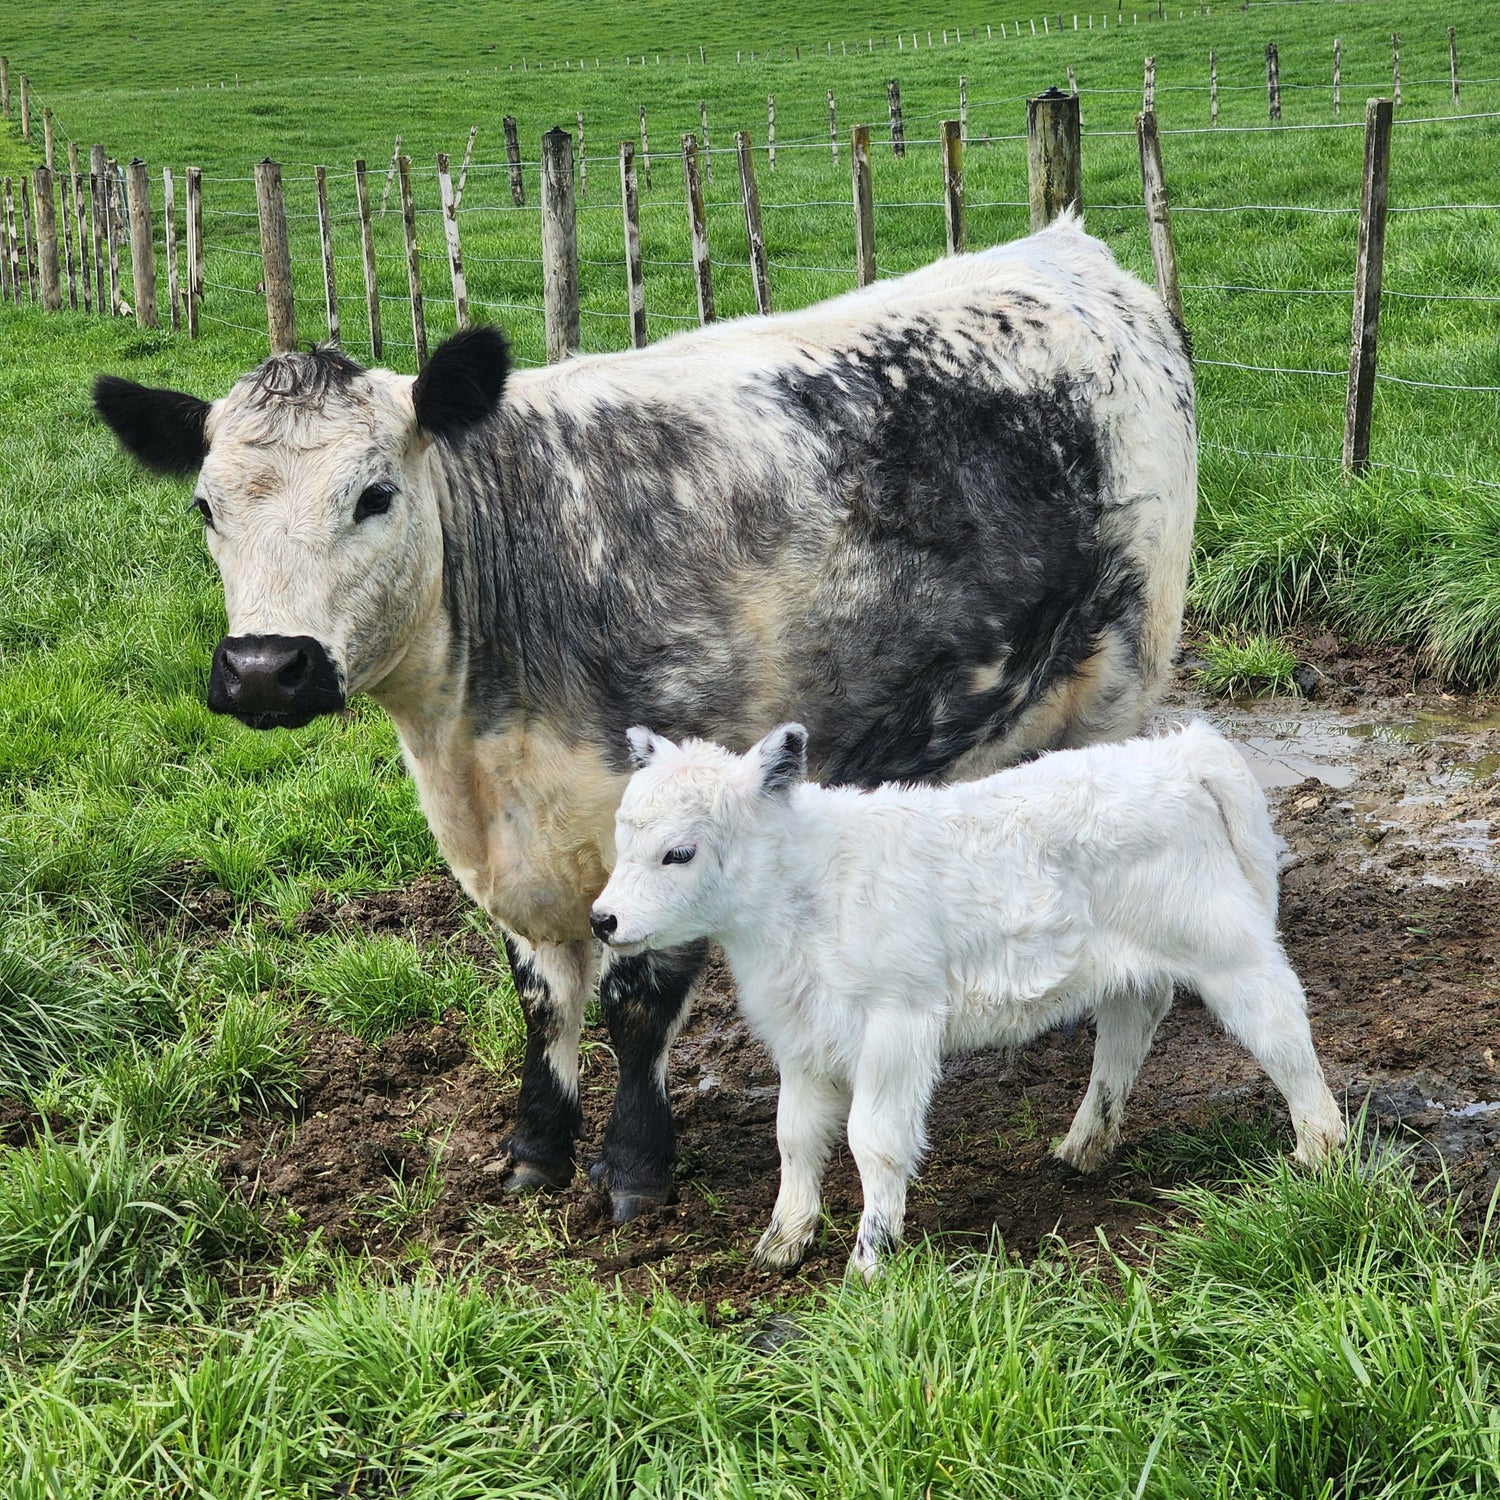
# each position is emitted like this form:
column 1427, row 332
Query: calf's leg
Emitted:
column 1262, row 1004
column 553, row 982
column 645, row 999
column 809, row 1111
column 1124, row 1025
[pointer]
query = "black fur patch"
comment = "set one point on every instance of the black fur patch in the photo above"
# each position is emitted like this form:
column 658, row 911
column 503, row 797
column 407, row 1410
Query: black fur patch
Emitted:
column 548, row 1118
column 462, row 382
column 642, row 998
column 305, row 377
column 164, row 430
column 786, row 759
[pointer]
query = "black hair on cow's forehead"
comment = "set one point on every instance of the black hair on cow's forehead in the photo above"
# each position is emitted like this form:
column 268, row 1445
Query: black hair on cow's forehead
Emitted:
column 305, row 377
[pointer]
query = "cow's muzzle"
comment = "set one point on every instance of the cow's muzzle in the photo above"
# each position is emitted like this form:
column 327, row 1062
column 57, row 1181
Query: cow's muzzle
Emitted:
column 274, row 681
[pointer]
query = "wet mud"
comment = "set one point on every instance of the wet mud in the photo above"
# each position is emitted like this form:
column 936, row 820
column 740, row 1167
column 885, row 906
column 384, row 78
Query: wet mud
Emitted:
column 1385, row 794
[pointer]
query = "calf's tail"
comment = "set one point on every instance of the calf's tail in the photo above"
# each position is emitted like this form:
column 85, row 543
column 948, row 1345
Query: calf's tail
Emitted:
column 1223, row 774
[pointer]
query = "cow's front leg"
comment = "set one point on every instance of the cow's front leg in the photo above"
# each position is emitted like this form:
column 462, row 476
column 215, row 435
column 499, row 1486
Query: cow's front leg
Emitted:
column 645, row 1000
column 553, row 982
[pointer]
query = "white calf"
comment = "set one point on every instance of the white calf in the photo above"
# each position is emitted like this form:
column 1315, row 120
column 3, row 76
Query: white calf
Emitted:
column 871, row 933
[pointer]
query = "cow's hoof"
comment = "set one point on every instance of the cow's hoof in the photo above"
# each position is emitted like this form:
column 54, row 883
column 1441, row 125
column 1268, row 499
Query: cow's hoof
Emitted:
column 626, row 1204
column 538, row 1176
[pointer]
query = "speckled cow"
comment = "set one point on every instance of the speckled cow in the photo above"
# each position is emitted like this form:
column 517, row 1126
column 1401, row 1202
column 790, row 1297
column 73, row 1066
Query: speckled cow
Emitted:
column 943, row 521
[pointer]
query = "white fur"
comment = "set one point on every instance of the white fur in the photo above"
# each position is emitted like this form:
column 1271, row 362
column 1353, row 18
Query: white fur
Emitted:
column 872, row 933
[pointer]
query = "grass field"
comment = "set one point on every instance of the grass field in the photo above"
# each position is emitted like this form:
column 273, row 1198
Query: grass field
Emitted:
column 1323, row 1336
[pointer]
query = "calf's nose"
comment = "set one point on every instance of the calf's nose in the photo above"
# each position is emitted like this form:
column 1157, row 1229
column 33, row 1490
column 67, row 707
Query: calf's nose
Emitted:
column 270, row 680
column 603, row 923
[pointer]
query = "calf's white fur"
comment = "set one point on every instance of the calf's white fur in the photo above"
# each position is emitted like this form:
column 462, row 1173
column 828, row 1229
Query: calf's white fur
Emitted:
column 871, row 933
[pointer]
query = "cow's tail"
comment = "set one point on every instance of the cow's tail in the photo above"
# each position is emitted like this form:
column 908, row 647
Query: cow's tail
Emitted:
column 1221, row 770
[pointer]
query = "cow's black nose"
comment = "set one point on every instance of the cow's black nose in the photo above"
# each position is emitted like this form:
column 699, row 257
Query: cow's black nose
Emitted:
column 603, row 923
column 274, row 680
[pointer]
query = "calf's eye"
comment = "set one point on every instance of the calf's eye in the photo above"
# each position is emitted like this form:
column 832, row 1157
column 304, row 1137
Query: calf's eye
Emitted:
column 374, row 501
column 679, row 856
column 200, row 505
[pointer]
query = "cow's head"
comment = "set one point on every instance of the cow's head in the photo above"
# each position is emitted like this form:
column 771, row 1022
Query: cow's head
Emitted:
column 690, row 834
column 320, row 510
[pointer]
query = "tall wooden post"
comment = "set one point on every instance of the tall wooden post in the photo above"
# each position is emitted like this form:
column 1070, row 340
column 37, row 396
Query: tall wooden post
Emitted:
column 98, row 215
column 325, row 239
column 898, row 128
column 1148, row 87
column 75, row 174
column 28, row 243
column 1213, row 87
column 703, row 275
column 1372, row 199
column 463, row 171
column 708, row 156
column 67, row 239
column 276, row 257
column 1337, row 72
column 12, row 251
column 1158, row 216
column 194, row 248
column 46, row 239
column 5, row 88
column 1453, row 64
column 7, row 287
column 413, row 262
column 25, row 112
column 367, row 249
column 1054, row 165
column 513, row 161
column 142, row 244
column 1396, row 70
column 450, row 235
column 864, row 205
column 771, row 131
column 635, row 281
column 953, row 186
column 169, row 228
column 114, row 231
column 759, row 272
column 390, row 177
column 645, row 152
column 1273, row 81
column 47, row 144
column 583, row 158
column 559, row 247
column 833, row 130
column 963, row 108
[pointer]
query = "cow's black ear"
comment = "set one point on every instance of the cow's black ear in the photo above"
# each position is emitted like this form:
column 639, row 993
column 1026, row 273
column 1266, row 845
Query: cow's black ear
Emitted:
column 166, row 430
column 783, row 758
column 462, row 382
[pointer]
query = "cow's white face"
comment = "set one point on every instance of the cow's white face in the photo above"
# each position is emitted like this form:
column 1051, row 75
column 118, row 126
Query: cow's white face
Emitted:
column 688, row 834
column 315, row 485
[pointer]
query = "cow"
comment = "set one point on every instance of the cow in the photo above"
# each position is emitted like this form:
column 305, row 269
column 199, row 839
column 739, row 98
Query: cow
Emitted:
column 872, row 933
column 943, row 520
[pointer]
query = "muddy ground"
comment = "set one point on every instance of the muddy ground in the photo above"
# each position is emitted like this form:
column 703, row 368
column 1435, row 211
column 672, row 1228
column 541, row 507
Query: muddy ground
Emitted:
column 1384, row 790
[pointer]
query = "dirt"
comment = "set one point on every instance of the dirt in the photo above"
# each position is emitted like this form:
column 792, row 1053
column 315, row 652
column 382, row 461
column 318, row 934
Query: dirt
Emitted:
column 1385, row 793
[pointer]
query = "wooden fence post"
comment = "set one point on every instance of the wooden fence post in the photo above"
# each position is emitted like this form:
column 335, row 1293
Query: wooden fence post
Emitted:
column 12, row 254
column 117, row 209
column 28, row 243
column 450, row 232
column 463, row 171
column 864, row 205
column 1054, row 167
column 833, row 130
column 276, row 257
column 5, row 87
column 1273, row 81
column 953, row 186
column 25, row 112
column 67, row 238
column 708, row 156
column 325, row 237
column 1361, row 397
column 413, row 262
column 963, row 108
column 513, row 161
column 390, row 176
column 898, row 129
column 1213, row 87
column 1337, row 71
column 559, row 247
column 47, row 144
column 702, row 271
column 1148, row 88
column 169, row 228
column 194, row 248
column 1158, row 216
column 1396, row 70
column 771, row 131
column 75, row 176
column 98, row 226
column 1453, row 64
column 754, row 236
column 46, row 238
column 142, row 244
column 583, row 160
column 635, row 281
column 367, row 249
column 7, row 290
column 645, row 152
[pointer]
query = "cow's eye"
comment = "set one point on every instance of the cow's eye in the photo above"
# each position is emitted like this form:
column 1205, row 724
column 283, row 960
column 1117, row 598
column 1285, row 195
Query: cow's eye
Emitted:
column 200, row 505
column 680, row 855
column 374, row 501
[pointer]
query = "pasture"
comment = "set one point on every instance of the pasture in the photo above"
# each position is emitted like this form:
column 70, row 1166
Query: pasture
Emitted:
column 256, row 1051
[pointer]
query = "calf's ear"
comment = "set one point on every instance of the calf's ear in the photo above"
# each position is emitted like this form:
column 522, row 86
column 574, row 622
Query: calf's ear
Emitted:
column 782, row 756
column 462, row 382
column 165, row 430
column 643, row 746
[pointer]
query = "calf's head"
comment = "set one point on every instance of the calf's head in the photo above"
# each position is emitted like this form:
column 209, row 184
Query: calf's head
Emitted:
column 319, row 501
column 688, row 836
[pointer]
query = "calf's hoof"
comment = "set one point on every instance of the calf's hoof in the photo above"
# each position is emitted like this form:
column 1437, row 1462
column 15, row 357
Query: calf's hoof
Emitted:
column 628, row 1201
column 1086, row 1154
column 780, row 1249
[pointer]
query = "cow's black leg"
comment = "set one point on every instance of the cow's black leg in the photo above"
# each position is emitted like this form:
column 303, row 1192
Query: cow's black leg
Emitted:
column 645, row 1002
column 553, row 982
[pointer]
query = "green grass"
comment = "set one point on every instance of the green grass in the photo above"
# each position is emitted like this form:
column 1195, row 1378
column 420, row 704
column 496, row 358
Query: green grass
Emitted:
column 1256, row 665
